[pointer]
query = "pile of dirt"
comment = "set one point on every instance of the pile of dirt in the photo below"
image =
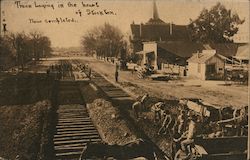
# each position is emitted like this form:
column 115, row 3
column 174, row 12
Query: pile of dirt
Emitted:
column 21, row 129
column 88, row 91
column 110, row 124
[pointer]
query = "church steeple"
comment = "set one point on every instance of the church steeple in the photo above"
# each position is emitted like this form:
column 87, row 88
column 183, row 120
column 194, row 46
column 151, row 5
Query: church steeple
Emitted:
column 155, row 11
column 155, row 19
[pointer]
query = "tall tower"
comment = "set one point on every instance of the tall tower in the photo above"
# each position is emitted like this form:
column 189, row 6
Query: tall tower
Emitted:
column 155, row 19
column 155, row 11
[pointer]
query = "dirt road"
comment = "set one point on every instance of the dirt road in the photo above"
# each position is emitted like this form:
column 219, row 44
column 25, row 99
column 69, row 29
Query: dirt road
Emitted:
column 214, row 92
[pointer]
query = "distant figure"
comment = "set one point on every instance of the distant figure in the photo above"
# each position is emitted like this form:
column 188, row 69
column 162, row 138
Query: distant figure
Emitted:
column 117, row 66
column 116, row 75
column 48, row 72
column 143, row 101
column 136, row 107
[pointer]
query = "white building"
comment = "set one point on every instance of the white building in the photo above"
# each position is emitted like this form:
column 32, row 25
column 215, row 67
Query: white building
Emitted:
column 206, row 65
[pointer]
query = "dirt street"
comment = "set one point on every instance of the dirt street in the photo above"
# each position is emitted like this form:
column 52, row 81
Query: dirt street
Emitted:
column 214, row 92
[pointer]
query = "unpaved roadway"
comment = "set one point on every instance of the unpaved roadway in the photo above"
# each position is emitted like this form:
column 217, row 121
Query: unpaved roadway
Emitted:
column 214, row 92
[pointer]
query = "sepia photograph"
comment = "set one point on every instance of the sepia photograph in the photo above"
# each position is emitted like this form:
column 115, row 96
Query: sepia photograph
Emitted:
column 124, row 79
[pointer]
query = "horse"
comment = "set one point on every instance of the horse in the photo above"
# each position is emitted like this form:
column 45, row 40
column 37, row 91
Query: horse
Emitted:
column 134, row 149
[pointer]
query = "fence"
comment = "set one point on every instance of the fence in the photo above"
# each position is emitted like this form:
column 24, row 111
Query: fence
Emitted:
column 173, row 69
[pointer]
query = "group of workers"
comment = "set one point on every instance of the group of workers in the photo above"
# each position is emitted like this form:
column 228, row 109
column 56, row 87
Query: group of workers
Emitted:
column 60, row 69
column 183, row 125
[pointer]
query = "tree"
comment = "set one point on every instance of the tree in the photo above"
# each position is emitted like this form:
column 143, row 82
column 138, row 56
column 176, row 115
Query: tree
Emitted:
column 104, row 41
column 35, row 38
column 216, row 25
column 7, row 52
column 41, row 45
column 21, row 43
column 27, row 46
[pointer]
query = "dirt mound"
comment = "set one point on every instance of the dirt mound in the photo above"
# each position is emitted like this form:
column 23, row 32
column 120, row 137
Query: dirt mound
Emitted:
column 112, row 127
column 21, row 130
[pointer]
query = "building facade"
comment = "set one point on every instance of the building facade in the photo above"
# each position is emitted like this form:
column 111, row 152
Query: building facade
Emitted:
column 206, row 65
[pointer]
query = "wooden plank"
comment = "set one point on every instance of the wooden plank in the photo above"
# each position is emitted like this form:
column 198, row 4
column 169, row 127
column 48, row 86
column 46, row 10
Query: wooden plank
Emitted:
column 75, row 134
column 74, row 123
column 75, row 141
column 78, row 153
column 76, row 128
column 76, row 137
column 74, row 118
column 71, row 145
column 68, row 149
column 77, row 131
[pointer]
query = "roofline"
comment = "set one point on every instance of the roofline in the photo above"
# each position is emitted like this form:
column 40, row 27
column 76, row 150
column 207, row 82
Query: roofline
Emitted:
column 216, row 54
column 150, row 42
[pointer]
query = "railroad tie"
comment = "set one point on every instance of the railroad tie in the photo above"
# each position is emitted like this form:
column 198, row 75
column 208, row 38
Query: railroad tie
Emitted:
column 74, row 130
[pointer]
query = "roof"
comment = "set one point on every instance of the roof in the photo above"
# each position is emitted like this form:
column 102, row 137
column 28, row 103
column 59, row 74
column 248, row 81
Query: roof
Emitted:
column 155, row 30
column 243, row 52
column 155, row 21
column 186, row 49
column 204, row 56
column 182, row 49
column 225, row 49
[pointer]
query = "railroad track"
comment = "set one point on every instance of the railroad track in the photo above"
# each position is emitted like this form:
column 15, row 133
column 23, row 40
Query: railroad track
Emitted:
column 115, row 94
column 74, row 126
column 121, row 99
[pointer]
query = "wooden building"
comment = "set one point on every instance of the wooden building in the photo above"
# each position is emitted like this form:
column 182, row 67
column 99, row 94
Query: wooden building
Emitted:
column 156, row 30
column 206, row 65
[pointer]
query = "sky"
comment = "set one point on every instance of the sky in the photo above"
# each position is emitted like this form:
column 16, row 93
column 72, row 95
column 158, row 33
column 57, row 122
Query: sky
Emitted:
column 68, row 34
